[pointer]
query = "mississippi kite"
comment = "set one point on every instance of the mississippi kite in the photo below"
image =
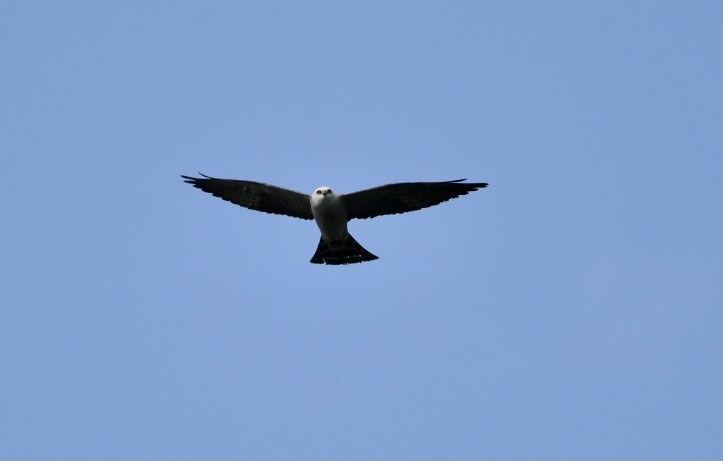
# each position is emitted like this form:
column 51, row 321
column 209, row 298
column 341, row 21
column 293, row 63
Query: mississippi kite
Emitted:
column 332, row 211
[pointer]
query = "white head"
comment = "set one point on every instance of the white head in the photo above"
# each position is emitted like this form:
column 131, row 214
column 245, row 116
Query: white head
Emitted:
column 325, row 197
column 323, row 192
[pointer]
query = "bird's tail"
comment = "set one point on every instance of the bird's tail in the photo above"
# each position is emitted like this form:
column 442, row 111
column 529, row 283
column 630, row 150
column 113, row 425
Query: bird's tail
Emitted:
column 347, row 252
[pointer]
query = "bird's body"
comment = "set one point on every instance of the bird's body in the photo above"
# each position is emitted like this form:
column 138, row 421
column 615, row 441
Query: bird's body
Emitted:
column 332, row 211
column 336, row 245
column 329, row 213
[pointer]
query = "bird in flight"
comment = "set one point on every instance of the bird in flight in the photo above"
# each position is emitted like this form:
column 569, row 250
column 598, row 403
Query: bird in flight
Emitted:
column 332, row 211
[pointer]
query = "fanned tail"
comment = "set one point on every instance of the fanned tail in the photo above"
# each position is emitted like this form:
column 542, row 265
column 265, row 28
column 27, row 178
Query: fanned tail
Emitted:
column 347, row 252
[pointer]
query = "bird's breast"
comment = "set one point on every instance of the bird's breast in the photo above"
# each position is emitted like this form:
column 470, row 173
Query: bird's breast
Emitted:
column 330, row 215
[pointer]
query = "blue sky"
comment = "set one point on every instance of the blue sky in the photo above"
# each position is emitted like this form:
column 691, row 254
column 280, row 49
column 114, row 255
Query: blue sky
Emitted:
column 572, row 310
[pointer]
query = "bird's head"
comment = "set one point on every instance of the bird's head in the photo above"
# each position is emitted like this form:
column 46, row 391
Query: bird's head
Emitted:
column 323, row 191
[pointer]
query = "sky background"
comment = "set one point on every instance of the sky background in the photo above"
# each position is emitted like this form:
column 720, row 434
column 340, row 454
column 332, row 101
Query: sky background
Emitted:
column 572, row 310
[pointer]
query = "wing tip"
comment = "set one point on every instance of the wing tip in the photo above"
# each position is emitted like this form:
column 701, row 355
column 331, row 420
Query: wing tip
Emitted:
column 470, row 185
column 192, row 180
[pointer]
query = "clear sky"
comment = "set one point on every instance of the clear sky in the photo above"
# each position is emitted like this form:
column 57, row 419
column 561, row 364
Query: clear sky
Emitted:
column 572, row 310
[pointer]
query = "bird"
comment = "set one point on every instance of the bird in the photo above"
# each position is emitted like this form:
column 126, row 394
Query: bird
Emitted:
column 333, row 211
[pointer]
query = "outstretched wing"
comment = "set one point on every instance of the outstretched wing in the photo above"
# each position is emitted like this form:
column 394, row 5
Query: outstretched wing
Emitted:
column 403, row 197
column 255, row 195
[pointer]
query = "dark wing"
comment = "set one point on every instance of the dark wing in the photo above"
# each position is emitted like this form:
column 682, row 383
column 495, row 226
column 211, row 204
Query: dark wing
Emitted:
column 256, row 196
column 403, row 197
